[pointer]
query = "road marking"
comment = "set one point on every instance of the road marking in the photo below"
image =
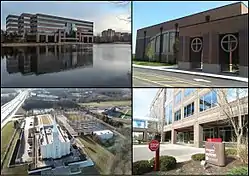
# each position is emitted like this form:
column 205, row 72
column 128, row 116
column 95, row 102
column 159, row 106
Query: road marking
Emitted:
column 173, row 79
column 202, row 80
column 147, row 80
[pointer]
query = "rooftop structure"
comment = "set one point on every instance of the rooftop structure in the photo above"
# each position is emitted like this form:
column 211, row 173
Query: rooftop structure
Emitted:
column 104, row 134
column 53, row 140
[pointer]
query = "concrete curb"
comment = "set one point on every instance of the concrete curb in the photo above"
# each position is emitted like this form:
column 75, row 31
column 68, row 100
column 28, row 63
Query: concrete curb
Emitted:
column 242, row 79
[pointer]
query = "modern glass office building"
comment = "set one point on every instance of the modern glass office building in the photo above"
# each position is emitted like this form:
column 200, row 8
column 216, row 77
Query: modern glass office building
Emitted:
column 48, row 28
column 193, row 115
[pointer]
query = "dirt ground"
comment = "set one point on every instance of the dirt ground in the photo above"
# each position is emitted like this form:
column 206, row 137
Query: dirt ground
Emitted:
column 195, row 168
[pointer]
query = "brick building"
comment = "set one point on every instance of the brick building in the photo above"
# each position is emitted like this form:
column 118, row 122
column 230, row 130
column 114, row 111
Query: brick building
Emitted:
column 213, row 41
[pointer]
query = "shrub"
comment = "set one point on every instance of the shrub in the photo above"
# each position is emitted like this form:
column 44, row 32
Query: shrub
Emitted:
column 198, row 157
column 243, row 170
column 166, row 163
column 231, row 151
column 141, row 167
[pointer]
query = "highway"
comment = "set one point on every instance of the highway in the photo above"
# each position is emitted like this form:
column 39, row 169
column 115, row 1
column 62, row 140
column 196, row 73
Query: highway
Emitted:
column 9, row 109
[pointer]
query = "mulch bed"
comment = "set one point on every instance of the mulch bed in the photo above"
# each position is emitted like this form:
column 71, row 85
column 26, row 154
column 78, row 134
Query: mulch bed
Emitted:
column 195, row 168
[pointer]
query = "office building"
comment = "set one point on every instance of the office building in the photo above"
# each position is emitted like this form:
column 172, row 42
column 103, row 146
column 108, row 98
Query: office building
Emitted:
column 12, row 23
column 54, row 142
column 190, row 116
column 200, row 41
column 48, row 28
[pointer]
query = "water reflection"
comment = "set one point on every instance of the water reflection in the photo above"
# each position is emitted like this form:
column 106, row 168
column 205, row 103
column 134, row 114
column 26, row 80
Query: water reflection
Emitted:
column 105, row 65
column 47, row 59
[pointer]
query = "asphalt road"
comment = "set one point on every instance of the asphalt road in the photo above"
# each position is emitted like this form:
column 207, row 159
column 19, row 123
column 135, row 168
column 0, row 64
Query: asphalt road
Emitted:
column 153, row 78
column 180, row 152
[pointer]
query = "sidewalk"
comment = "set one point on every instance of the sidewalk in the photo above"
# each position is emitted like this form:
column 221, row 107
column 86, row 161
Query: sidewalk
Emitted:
column 175, row 70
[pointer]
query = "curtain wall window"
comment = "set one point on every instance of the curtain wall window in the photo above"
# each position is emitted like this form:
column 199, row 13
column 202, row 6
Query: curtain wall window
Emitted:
column 165, row 43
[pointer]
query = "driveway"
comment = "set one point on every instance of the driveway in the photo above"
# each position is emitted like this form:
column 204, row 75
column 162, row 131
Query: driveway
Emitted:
column 181, row 153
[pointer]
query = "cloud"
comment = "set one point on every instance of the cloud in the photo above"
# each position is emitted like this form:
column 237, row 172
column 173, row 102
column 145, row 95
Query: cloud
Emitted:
column 142, row 99
column 112, row 21
column 104, row 14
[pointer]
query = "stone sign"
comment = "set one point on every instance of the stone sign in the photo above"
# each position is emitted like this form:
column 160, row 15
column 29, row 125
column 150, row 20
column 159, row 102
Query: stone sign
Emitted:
column 215, row 153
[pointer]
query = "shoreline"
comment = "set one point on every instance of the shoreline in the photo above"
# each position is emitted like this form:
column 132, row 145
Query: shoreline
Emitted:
column 54, row 44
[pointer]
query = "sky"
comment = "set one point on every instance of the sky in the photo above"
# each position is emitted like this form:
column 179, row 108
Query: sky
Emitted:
column 153, row 12
column 104, row 14
column 142, row 99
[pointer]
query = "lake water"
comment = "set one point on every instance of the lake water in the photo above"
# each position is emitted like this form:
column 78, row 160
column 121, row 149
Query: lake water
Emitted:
column 105, row 65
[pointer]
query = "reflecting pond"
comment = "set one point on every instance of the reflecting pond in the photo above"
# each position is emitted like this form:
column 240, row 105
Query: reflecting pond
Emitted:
column 105, row 65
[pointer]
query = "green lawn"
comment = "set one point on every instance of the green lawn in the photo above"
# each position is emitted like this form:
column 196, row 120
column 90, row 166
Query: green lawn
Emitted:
column 151, row 63
column 20, row 170
column 100, row 156
column 6, row 134
column 107, row 103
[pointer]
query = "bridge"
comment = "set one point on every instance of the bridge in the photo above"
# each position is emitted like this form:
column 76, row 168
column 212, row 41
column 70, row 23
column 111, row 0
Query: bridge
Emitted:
column 145, row 130
column 9, row 109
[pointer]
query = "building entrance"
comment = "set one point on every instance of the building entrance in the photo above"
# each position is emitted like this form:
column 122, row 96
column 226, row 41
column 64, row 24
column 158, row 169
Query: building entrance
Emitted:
column 229, row 52
column 196, row 48
column 185, row 137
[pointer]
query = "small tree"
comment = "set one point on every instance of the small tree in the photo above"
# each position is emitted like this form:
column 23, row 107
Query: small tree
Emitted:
column 235, row 108
column 150, row 52
column 176, row 49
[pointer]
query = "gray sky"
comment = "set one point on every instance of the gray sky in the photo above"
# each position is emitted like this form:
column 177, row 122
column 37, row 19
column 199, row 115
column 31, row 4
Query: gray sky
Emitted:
column 104, row 14
column 142, row 99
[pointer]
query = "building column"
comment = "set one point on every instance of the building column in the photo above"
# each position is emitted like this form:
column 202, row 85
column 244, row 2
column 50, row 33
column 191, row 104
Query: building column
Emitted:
column 46, row 50
column 80, row 37
column 161, row 45
column 46, row 38
column 211, row 48
column 55, row 49
column 144, row 45
column 243, row 52
column 37, row 38
column 173, row 136
column 198, row 135
column 184, row 58
column 145, row 135
column 38, row 50
column 163, row 136
column 55, row 36
column 59, row 37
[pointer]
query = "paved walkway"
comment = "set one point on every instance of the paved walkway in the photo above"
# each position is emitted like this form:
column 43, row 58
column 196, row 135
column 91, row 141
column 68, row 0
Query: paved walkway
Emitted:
column 174, row 69
column 180, row 152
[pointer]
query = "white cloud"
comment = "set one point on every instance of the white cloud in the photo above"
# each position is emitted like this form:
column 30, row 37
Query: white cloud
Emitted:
column 112, row 21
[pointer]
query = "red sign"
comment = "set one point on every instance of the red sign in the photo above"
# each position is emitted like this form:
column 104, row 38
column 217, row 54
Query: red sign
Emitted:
column 153, row 145
column 214, row 140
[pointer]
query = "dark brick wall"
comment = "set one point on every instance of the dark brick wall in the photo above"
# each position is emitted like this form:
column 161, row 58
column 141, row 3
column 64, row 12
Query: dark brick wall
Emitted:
column 237, row 24
column 221, row 26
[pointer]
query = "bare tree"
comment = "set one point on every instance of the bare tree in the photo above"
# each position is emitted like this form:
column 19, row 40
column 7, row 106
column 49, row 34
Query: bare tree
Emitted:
column 234, row 105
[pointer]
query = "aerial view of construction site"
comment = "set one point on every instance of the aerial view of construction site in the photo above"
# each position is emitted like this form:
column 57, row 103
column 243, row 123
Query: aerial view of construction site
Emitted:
column 65, row 131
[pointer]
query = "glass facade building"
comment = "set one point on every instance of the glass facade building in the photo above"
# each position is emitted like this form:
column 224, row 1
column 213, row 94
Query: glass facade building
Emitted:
column 193, row 115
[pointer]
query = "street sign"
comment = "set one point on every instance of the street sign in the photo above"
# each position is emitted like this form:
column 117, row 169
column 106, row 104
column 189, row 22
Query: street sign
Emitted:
column 154, row 145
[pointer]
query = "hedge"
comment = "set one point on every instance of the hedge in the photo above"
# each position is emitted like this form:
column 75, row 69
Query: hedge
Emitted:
column 141, row 167
column 243, row 170
column 198, row 157
column 166, row 163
